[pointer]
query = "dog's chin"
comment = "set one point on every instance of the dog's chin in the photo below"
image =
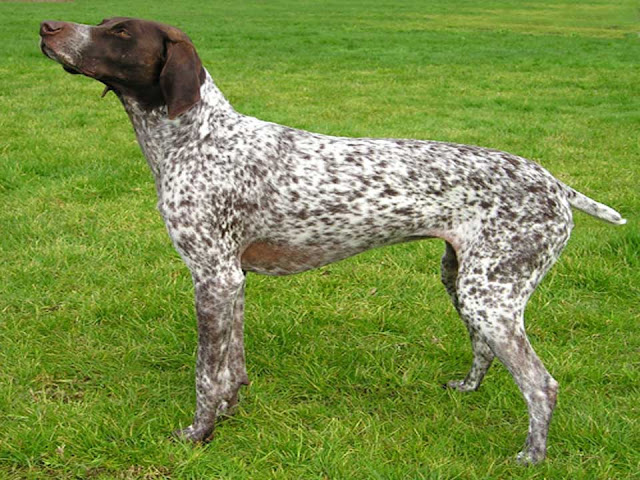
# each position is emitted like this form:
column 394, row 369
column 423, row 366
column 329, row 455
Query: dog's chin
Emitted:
column 70, row 70
column 49, row 52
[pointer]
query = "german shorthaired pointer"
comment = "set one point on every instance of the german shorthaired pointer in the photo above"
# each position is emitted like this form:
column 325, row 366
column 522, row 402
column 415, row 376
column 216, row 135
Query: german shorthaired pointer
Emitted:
column 238, row 194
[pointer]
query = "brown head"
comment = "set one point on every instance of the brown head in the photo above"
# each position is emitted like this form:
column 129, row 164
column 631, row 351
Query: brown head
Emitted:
column 152, row 63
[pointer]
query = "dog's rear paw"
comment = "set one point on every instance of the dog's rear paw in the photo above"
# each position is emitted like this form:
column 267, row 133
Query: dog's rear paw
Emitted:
column 460, row 386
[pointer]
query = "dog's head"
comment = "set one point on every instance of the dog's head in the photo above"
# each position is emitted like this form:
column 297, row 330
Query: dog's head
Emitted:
column 154, row 64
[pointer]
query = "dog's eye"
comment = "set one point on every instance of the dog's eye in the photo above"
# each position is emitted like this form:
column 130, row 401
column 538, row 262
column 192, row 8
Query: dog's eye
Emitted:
column 120, row 32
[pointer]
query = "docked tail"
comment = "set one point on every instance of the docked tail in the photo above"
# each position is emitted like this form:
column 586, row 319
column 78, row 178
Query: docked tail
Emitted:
column 590, row 206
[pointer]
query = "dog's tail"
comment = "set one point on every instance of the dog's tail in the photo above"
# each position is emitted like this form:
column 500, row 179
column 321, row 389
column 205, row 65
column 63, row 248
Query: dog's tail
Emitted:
column 593, row 208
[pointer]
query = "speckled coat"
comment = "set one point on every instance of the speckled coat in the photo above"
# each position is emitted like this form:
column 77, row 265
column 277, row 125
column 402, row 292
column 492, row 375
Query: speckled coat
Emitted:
column 239, row 194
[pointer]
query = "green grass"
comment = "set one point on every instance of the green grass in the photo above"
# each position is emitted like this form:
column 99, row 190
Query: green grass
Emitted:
column 97, row 333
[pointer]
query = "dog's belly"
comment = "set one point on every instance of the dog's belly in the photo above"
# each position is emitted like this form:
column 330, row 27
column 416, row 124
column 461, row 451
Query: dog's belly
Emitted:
column 270, row 258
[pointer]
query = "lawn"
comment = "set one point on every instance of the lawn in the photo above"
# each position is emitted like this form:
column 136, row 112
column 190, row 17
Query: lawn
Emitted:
column 97, row 331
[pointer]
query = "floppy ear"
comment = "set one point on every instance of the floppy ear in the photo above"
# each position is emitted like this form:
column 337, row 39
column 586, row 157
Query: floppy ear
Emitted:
column 180, row 77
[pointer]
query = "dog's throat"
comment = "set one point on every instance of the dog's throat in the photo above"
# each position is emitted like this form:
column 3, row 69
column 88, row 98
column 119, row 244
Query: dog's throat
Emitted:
column 106, row 90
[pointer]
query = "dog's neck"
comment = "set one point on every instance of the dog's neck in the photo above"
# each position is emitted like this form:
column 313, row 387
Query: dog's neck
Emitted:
column 158, row 135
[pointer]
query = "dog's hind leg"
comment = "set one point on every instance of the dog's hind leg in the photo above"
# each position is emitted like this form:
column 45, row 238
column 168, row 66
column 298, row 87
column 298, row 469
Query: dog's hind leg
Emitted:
column 482, row 354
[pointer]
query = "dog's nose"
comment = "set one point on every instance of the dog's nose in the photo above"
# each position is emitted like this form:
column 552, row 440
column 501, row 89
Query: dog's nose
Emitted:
column 50, row 27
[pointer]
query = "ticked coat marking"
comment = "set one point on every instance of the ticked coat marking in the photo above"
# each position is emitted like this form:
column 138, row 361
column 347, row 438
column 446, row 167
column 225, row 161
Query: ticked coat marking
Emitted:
column 239, row 195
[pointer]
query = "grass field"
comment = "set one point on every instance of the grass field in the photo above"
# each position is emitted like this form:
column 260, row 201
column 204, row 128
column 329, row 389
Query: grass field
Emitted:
column 97, row 332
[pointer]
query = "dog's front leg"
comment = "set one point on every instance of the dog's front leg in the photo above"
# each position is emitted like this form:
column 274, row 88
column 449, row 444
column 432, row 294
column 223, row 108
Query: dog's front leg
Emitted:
column 218, row 291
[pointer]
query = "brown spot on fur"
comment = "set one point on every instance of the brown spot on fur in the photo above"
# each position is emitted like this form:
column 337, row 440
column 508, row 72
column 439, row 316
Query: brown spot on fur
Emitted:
column 267, row 257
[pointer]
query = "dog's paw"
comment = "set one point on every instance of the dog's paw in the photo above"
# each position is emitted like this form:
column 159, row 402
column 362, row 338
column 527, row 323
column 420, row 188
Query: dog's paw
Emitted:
column 460, row 386
column 530, row 456
column 194, row 434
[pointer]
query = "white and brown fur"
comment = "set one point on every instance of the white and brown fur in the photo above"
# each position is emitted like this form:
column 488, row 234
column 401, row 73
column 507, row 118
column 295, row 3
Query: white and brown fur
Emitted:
column 239, row 195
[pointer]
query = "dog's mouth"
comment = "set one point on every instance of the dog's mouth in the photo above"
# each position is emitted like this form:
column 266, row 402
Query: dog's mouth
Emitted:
column 71, row 70
column 49, row 52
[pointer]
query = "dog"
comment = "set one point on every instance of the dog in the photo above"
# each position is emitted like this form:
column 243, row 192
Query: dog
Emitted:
column 239, row 195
